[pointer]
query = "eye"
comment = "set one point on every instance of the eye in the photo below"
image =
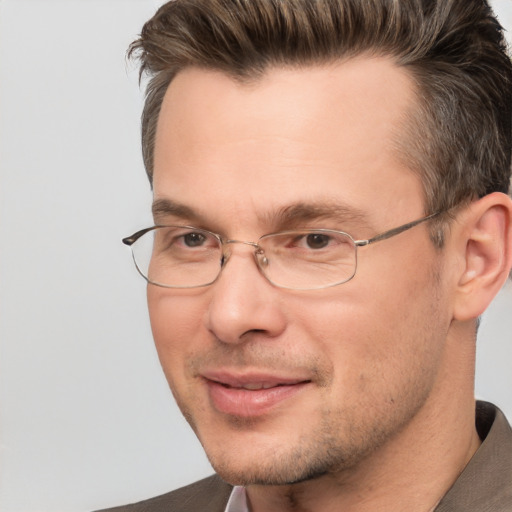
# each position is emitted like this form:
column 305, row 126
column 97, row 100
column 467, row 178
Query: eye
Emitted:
column 307, row 244
column 194, row 239
column 317, row 240
column 175, row 238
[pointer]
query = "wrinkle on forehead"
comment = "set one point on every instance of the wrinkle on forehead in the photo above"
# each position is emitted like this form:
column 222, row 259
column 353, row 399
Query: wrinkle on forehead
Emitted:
column 290, row 216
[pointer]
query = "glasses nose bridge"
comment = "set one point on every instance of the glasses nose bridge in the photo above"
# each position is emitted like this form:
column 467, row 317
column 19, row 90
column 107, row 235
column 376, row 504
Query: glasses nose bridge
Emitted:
column 257, row 247
column 258, row 250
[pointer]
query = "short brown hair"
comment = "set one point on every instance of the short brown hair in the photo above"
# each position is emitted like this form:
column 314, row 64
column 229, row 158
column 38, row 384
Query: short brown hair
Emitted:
column 459, row 137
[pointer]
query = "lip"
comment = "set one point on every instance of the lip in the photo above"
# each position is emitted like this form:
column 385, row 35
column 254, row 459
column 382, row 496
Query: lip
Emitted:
column 250, row 395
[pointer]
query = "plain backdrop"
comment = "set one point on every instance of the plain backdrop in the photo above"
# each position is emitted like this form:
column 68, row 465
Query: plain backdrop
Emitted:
column 86, row 418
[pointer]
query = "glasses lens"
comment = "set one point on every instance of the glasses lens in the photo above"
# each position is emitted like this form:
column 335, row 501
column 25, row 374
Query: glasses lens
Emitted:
column 178, row 256
column 187, row 257
column 308, row 259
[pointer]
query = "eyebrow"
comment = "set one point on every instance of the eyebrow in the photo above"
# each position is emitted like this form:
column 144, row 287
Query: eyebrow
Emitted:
column 300, row 213
column 287, row 217
column 168, row 208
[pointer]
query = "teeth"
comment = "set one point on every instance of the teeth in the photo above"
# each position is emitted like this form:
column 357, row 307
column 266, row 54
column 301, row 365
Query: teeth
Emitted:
column 257, row 386
column 252, row 387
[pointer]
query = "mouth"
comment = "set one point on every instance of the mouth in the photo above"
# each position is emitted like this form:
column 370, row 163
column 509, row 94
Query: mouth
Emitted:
column 251, row 395
column 255, row 386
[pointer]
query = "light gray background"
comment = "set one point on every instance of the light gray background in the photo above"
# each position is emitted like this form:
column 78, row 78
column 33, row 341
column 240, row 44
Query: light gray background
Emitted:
column 86, row 417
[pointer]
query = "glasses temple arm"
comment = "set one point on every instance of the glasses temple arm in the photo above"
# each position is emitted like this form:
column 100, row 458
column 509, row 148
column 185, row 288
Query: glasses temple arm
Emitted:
column 395, row 231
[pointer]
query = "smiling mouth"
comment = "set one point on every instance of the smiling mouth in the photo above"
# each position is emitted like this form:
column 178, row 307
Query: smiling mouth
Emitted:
column 250, row 398
column 258, row 386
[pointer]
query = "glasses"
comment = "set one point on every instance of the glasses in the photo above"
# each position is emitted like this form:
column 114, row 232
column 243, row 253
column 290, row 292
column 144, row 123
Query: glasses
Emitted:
column 301, row 259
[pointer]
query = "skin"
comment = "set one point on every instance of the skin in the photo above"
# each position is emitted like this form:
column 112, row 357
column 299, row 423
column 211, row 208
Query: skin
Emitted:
column 372, row 367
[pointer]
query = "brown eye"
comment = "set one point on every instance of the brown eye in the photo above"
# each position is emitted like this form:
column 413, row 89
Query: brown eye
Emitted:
column 317, row 240
column 194, row 239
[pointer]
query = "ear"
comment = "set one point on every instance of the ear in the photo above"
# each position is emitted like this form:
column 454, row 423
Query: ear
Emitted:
column 484, row 240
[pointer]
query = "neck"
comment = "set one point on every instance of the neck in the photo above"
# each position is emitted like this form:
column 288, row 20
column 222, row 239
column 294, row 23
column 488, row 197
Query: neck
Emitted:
column 411, row 471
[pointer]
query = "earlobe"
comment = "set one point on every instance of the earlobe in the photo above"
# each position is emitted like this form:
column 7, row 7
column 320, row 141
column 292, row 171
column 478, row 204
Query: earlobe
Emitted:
column 486, row 244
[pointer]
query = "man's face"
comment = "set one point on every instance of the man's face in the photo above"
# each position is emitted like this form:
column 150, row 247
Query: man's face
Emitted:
column 283, row 385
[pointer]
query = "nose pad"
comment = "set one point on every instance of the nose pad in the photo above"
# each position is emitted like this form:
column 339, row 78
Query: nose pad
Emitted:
column 224, row 258
column 260, row 258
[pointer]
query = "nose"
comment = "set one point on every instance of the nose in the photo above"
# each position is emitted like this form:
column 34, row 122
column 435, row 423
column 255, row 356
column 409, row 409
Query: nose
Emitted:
column 243, row 303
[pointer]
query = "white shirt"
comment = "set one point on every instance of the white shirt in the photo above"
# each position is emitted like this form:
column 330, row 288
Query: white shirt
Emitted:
column 237, row 501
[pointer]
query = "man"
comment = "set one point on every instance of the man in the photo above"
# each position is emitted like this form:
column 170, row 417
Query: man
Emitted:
column 331, row 218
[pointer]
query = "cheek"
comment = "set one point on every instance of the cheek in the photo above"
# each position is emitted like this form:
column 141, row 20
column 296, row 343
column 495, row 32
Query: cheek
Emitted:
column 374, row 329
column 176, row 319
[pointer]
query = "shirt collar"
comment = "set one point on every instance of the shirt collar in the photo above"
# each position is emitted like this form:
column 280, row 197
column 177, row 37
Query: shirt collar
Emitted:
column 237, row 501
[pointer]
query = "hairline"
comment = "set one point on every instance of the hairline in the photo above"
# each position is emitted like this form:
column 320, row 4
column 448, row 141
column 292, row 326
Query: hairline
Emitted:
column 253, row 77
column 402, row 134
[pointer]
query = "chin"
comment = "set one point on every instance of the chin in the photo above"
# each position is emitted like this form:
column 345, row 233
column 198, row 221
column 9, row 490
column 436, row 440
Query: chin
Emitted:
column 277, row 466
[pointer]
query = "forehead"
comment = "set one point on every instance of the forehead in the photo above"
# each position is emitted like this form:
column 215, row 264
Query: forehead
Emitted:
column 295, row 134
